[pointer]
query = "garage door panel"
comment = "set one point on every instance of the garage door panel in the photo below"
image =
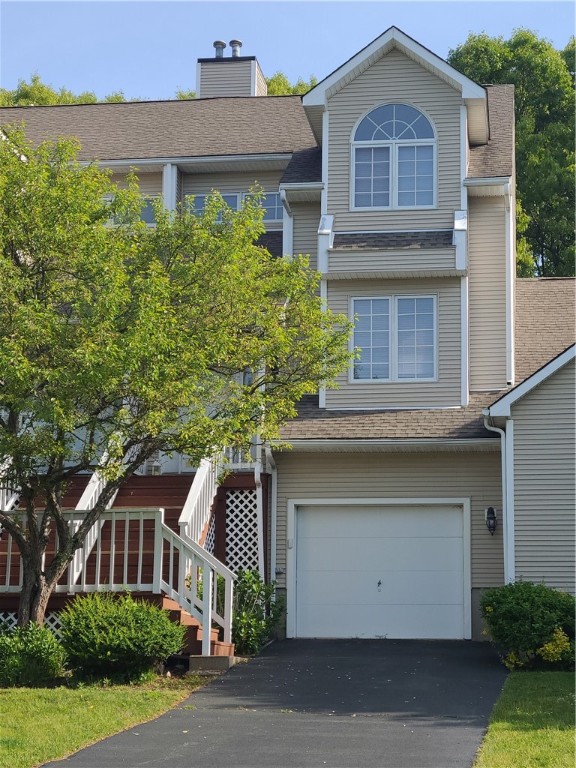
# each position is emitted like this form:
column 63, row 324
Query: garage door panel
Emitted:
column 396, row 588
column 372, row 571
column 375, row 552
column 397, row 622
column 343, row 521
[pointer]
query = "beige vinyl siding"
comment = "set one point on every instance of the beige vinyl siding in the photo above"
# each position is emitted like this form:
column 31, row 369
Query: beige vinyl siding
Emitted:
column 409, row 260
column 149, row 183
column 305, row 235
column 487, row 286
column 443, row 392
column 399, row 475
column 204, row 183
column 229, row 78
column 394, row 78
column 544, row 498
column 261, row 87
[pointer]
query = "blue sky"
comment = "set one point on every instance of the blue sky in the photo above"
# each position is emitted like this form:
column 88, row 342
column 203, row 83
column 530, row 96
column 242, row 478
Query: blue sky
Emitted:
column 149, row 49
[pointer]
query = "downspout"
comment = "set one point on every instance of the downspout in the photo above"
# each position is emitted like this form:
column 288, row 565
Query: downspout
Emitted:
column 508, row 524
column 259, row 510
column 273, row 511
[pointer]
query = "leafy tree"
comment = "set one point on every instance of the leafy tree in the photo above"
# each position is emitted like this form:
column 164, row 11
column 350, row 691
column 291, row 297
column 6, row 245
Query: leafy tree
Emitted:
column 183, row 95
column 544, row 84
column 37, row 93
column 117, row 341
column 279, row 85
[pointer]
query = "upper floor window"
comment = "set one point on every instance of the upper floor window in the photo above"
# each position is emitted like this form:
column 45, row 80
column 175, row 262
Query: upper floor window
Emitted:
column 393, row 159
column 200, row 202
column 148, row 214
column 396, row 338
column 270, row 202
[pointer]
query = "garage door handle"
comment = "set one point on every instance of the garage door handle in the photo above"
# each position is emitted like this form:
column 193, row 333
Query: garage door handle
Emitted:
column 379, row 583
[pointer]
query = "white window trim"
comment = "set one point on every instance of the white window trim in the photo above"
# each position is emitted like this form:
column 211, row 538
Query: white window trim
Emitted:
column 393, row 363
column 270, row 224
column 394, row 144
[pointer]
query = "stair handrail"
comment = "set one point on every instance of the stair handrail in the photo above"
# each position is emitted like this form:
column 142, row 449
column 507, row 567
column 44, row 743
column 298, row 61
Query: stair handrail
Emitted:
column 198, row 505
column 87, row 502
column 182, row 582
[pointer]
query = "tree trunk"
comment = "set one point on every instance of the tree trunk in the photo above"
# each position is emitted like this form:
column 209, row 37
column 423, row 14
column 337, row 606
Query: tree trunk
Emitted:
column 36, row 591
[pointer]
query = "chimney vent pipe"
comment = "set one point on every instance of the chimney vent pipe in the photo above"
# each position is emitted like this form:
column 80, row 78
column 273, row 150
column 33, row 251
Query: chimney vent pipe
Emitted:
column 219, row 46
column 235, row 45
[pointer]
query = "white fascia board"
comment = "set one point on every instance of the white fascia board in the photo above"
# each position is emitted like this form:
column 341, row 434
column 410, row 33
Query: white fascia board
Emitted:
column 301, row 186
column 469, row 89
column 380, row 445
column 502, row 407
column 488, row 181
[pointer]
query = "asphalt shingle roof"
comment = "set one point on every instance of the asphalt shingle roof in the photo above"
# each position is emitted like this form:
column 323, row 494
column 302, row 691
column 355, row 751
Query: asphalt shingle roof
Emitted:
column 187, row 128
column 313, row 422
column 497, row 157
column 545, row 321
column 393, row 240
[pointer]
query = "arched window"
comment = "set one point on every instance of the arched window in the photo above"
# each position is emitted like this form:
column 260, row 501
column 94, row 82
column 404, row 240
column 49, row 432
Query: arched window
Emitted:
column 393, row 159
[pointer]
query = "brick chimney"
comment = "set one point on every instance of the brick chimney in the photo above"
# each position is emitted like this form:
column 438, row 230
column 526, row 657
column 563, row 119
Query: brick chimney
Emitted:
column 234, row 75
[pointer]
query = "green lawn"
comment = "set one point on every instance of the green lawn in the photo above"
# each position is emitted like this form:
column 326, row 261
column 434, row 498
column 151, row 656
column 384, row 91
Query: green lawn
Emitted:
column 532, row 725
column 42, row 724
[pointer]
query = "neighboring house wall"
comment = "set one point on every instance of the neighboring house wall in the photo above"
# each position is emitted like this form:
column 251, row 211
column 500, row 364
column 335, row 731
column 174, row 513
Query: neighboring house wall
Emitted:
column 306, row 221
column 149, row 183
column 394, row 78
column 487, row 270
column 445, row 391
column 226, row 183
column 544, row 498
column 396, row 475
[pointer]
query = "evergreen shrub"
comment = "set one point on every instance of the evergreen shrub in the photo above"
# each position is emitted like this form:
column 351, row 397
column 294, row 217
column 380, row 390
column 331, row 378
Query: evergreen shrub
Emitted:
column 532, row 624
column 30, row 656
column 114, row 636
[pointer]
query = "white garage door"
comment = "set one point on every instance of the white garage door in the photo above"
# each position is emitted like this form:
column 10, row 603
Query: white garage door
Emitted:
column 379, row 571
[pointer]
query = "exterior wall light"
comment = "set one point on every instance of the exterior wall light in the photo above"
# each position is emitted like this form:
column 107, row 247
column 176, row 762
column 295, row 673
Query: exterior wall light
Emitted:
column 491, row 519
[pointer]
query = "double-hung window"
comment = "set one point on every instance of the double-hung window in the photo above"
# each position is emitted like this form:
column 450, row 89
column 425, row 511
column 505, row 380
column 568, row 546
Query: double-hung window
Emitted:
column 394, row 159
column 199, row 204
column 395, row 337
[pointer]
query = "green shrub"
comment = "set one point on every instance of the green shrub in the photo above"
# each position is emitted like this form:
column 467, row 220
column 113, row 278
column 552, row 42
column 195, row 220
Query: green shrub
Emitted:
column 532, row 624
column 115, row 636
column 30, row 656
column 256, row 612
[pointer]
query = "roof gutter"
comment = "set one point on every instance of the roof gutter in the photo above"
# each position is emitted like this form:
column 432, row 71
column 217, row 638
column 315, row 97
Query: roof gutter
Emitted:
column 192, row 160
column 328, row 445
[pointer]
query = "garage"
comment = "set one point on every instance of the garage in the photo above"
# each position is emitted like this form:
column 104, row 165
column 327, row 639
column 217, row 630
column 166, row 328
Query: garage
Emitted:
column 381, row 569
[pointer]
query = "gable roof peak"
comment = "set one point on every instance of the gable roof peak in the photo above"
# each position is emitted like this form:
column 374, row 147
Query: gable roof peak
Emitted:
column 393, row 37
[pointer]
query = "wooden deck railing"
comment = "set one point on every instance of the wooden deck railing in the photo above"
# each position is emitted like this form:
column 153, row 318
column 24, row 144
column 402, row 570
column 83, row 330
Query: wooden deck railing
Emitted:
column 136, row 551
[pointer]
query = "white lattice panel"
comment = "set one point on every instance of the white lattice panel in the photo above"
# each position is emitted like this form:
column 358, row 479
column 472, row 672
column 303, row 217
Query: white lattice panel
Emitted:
column 241, row 530
column 9, row 619
column 211, row 536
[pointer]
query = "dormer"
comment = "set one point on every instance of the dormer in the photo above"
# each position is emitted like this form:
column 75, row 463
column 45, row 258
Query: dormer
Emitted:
column 233, row 75
column 473, row 95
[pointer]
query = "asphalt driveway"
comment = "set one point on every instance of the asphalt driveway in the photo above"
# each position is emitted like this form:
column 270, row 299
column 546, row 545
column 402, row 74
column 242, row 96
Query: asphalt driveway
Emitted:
column 315, row 703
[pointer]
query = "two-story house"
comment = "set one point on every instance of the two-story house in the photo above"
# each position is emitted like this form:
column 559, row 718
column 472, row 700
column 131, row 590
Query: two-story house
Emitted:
column 442, row 464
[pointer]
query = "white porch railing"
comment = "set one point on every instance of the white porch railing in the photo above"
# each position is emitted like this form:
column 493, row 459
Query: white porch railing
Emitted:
column 87, row 501
column 197, row 508
column 198, row 505
column 9, row 496
column 137, row 552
